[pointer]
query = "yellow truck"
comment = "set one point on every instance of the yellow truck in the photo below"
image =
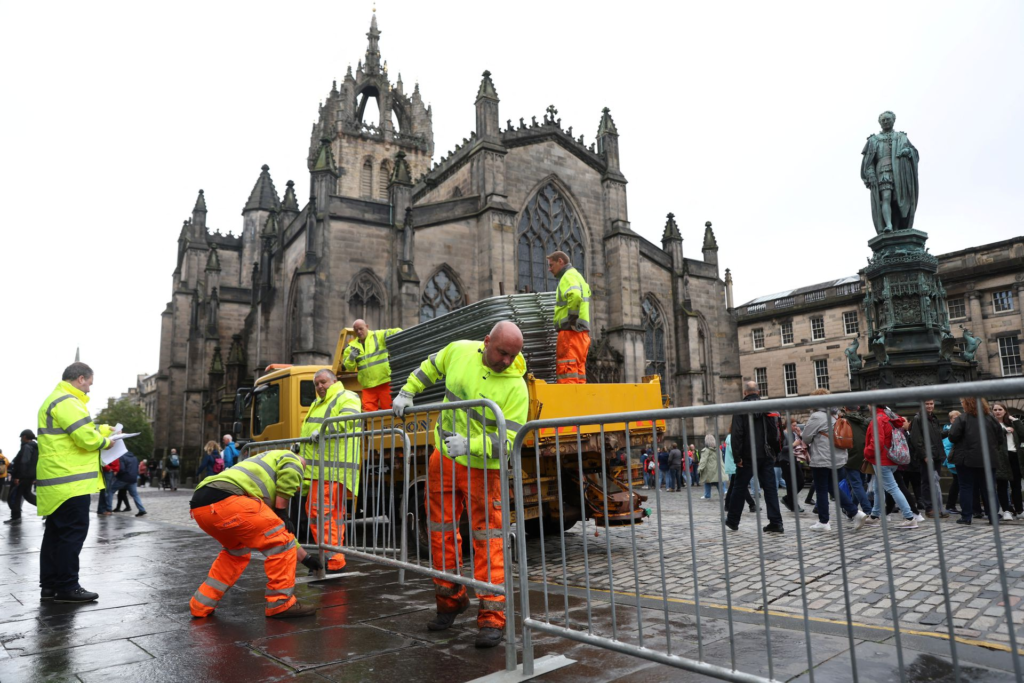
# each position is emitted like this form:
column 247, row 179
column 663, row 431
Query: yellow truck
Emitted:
column 277, row 405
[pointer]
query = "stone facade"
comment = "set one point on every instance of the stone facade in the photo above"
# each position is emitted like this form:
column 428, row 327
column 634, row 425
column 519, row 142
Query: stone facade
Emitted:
column 388, row 236
column 983, row 285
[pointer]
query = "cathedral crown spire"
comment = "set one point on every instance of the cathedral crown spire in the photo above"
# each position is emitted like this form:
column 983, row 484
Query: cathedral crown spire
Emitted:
column 372, row 47
column 263, row 196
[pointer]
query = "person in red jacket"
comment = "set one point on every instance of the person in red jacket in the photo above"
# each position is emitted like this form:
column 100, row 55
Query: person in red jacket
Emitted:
column 106, row 502
column 886, row 421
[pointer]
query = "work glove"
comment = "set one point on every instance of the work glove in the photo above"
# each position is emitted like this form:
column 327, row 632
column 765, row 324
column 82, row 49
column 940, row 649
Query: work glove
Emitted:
column 574, row 316
column 288, row 524
column 401, row 404
column 315, row 435
column 456, row 445
column 313, row 563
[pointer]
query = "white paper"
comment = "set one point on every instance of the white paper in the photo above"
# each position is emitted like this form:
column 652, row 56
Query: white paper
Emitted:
column 118, row 437
column 116, row 450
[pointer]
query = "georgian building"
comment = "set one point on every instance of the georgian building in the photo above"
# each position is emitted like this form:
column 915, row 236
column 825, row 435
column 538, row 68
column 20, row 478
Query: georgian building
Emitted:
column 391, row 236
column 794, row 342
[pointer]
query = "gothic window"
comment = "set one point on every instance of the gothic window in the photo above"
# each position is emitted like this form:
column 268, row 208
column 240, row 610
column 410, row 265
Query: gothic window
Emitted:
column 366, row 180
column 441, row 295
column 385, row 176
column 548, row 224
column 654, row 337
column 366, row 300
column 457, row 192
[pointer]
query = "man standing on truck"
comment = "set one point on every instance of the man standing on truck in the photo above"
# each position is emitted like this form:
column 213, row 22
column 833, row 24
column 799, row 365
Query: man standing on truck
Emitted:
column 572, row 319
column 368, row 354
column 341, row 460
column 471, row 370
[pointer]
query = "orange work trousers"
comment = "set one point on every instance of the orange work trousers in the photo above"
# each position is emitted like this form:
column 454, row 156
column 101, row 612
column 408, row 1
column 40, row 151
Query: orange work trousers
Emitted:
column 451, row 490
column 334, row 516
column 244, row 524
column 377, row 398
column 571, row 354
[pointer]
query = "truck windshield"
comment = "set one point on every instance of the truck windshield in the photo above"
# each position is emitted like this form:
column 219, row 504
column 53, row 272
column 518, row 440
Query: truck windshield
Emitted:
column 307, row 393
column 267, row 410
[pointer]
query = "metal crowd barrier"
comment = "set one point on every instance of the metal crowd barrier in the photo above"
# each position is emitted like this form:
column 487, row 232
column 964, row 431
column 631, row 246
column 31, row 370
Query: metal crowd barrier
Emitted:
column 393, row 495
column 611, row 575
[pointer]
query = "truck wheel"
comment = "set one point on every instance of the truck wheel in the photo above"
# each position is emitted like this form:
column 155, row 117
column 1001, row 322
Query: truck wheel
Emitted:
column 532, row 526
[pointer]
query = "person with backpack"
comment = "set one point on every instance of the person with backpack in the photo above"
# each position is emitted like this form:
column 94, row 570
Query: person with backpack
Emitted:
column 127, row 478
column 212, row 462
column 230, row 452
column 953, row 497
column 23, row 475
column 173, row 468
column 765, row 443
column 855, row 463
column 826, row 456
column 886, row 453
column 931, row 495
column 966, row 435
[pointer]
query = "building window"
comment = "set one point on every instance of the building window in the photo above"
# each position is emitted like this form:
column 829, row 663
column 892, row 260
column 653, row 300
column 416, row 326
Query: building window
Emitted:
column 785, row 303
column 787, row 333
column 761, row 377
column 956, row 308
column 851, row 324
column 814, row 296
column 441, row 295
column 821, row 374
column 1002, row 301
column 654, row 337
column 366, row 180
column 757, row 308
column 789, row 375
column 1009, row 354
column 366, row 300
column 384, row 179
column 757, row 334
column 817, row 328
column 548, row 224
column 851, row 288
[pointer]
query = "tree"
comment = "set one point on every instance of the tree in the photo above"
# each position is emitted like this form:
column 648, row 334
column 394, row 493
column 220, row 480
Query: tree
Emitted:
column 133, row 419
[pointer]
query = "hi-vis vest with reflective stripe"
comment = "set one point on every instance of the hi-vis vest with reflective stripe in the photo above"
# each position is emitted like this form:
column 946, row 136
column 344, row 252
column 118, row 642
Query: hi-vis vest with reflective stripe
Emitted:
column 573, row 296
column 370, row 358
column 341, row 455
column 69, row 444
column 466, row 377
column 265, row 476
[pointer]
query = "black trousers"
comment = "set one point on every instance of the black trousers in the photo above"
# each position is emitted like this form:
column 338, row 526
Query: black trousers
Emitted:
column 122, row 499
column 793, row 488
column 747, row 498
column 23, row 491
column 1015, row 492
column 766, row 482
column 953, row 499
column 63, row 538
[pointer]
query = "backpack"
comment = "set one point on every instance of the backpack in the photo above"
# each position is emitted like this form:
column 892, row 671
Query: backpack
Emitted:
column 218, row 465
column 842, row 434
column 899, row 452
column 3, row 467
column 174, row 462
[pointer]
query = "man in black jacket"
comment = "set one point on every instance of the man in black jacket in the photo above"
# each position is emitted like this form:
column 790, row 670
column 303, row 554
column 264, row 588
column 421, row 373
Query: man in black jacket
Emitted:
column 929, row 489
column 23, row 476
column 765, row 442
column 126, row 478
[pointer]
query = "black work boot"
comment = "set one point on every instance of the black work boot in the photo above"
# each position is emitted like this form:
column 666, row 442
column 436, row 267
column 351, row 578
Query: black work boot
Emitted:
column 296, row 610
column 76, row 595
column 443, row 622
column 488, row 637
column 47, row 594
column 773, row 528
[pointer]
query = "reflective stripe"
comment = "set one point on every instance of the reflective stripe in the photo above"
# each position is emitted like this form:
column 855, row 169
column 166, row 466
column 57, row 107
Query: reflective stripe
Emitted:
column 571, row 360
column 422, row 377
column 315, row 420
column 239, row 552
column 274, row 530
column 492, row 605
column 496, row 443
column 49, row 431
column 512, row 426
column 484, row 534
column 205, row 599
column 370, row 365
column 375, row 353
column 349, row 411
column 341, row 464
column 259, row 482
column 49, row 409
column 568, row 375
column 405, row 394
column 451, row 396
column 79, row 423
column 287, row 592
column 443, row 527
column 277, row 550
column 67, row 479
column 214, row 583
column 447, row 591
column 292, row 466
column 433, row 361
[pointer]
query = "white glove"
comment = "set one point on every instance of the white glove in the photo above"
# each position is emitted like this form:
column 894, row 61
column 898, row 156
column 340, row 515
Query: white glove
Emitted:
column 401, row 404
column 456, row 445
column 315, row 435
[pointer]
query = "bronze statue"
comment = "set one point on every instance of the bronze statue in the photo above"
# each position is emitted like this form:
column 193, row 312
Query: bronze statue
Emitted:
column 971, row 344
column 877, row 347
column 889, row 170
column 852, row 358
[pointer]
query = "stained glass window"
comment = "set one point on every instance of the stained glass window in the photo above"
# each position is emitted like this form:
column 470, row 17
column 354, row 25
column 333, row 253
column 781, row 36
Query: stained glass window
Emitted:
column 366, row 301
column 548, row 224
column 441, row 295
column 654, row 338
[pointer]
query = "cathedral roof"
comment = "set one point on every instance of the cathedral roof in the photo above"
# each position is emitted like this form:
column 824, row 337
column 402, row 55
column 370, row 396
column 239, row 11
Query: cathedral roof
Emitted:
column 200, row 203
column 290, row 202
column 264, row 195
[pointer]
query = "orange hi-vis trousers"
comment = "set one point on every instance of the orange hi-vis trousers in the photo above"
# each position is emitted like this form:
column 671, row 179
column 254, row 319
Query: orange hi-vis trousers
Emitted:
column 334, row 516
column 450, row 492
column 244, row 524
column 377, row 398
column 571, row 355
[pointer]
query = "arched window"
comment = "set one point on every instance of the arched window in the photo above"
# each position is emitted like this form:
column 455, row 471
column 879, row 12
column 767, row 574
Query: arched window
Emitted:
column 441, row 295
column 366, row 180
column 385, row 177
column 548, row 224
column 366, row 300
column 654, row 337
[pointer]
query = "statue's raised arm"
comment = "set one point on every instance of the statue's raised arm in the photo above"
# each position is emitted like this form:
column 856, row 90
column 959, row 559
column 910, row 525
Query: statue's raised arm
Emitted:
column 889, row 171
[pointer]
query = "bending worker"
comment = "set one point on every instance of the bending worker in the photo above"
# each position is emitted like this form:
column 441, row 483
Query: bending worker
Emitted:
column 493, row 369
column 67, row 475
column 245, row 508
column 368, row 354
column 572, row 319
column 341, row 460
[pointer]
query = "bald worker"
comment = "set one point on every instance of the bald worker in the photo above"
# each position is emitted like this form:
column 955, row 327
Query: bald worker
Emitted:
column 368, row 353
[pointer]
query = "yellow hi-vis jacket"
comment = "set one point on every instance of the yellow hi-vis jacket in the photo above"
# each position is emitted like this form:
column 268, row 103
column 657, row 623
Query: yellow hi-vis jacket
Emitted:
column 370, row 358
column 265, row 476
column 573, row 297
column 341, row 455
column 461, row 366
column 69, row 445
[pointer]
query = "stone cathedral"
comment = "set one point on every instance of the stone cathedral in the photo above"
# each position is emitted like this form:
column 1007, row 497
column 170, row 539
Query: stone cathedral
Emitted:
column 389, row 235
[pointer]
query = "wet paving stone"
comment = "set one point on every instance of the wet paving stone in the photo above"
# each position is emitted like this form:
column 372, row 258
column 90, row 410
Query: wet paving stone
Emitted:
column 308, row 649
column 66, row 663
column 412, row 664
column 220, row 663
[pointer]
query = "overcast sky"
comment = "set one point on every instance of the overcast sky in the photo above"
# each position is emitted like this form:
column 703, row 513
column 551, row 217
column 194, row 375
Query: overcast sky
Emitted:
column 750, row 115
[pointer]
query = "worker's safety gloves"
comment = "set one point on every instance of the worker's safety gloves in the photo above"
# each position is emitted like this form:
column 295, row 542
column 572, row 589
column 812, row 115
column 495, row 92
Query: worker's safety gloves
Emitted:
column 401, row 404
column 456, row 445
column 312, row 562
column 288, row 524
